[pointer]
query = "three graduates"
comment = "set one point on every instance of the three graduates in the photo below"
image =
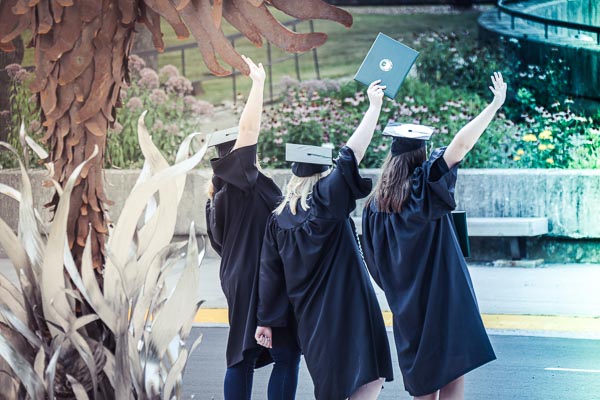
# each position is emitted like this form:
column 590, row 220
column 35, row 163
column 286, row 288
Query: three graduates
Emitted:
column 293, row 269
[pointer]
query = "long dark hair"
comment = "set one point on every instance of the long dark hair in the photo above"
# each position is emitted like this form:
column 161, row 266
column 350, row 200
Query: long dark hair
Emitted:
column 394, row 185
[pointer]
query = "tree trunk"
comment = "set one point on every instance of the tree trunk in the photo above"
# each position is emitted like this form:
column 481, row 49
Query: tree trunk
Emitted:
column 143, row 43
column 14, row 57
column 81, row 63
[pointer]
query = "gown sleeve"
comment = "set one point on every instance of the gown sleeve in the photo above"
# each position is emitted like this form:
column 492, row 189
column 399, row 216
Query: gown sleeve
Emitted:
column 367, row 241
column 334, row 196
column 434, row 186
column 212, row 228
column 238, row 168
column 273, row 302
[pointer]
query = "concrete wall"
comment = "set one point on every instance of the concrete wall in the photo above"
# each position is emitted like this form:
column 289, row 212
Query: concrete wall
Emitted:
column 569, row 198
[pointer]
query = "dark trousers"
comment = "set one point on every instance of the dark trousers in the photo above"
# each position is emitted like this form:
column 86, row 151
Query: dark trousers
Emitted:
column 284, row 376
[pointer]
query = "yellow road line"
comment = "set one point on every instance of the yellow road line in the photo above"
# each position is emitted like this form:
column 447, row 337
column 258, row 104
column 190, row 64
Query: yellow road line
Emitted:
column 491, row 321
column 542, row 323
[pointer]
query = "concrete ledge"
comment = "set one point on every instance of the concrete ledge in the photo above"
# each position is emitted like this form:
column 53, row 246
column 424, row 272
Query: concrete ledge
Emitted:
column 509, row 227
column 567, row 198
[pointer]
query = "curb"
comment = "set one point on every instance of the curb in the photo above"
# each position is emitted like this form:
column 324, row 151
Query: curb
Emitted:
column 528, row 325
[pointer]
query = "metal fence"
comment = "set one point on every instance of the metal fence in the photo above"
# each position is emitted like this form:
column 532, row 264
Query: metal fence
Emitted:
column 181, row 49
column 504, row 7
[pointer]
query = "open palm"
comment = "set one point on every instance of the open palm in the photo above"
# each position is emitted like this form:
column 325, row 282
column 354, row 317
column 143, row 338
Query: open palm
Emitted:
column 498, row 89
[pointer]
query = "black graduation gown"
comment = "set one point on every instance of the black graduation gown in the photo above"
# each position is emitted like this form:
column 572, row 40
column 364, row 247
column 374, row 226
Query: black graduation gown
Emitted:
column 244, row 199
column 313, row 259
column 415, row 257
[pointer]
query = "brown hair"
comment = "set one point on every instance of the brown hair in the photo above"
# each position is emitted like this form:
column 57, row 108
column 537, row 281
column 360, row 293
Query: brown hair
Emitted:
column 394, row 185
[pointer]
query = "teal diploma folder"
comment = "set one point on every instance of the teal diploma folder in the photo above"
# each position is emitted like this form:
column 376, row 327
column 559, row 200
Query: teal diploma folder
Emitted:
column 388, row 60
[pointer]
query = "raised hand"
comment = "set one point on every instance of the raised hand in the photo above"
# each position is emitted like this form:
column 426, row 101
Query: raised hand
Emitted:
column 257, row 72
column 264, row 336
column 498, row 89
column 375, row 93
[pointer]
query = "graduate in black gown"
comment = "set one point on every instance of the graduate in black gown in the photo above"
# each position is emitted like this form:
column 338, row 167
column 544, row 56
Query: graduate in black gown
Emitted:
column 241, row 200
column 311, row 258
column 412, row 252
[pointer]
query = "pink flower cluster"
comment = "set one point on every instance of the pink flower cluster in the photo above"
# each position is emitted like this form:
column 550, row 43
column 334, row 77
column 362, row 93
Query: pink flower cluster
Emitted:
column 179, row 85
column 17, row 73
column 135, row 104
column 148, row 79
column 158, row 96
column 198, row 107
column 136, row 64
column 167, row 72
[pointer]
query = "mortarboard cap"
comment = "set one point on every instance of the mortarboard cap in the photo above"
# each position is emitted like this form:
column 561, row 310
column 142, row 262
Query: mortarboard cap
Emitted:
column 308, row 160
column 407, row 137
column 223, row 140
column 388, row 60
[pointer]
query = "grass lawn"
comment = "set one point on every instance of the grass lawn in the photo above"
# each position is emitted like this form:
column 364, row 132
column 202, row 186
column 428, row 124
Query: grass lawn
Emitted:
column 339, row 57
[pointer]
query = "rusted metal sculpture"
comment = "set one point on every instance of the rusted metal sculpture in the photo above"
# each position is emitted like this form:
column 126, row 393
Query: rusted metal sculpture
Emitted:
column 81, row 52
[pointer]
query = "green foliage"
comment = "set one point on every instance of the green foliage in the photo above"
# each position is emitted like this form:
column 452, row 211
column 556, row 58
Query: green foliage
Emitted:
column 557, row 138
column 331, row 117
column 541, row 139
column 588, row 154
column 172, row 114
column 24, row 109
column 455, row 60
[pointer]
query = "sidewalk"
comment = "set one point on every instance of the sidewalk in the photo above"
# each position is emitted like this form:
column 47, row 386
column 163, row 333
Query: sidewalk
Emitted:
column 554, row 300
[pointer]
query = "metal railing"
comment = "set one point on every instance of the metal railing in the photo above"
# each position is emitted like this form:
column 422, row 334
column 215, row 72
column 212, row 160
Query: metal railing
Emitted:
column 547, row 22
column 232, row 39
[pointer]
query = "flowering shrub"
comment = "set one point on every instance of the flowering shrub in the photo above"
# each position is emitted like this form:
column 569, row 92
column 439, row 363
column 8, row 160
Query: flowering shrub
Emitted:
column 537, row 127
column 172, row 113
column 452, row 60
column 332, row 116
column 23, row 109
column 557, row 138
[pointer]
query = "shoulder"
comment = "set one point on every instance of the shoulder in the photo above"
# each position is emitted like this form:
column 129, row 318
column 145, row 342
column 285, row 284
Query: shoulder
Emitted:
column 288, row 221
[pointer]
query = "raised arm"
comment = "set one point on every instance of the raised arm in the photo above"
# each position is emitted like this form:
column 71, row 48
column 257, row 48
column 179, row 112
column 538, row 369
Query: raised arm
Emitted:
column 360, row 139
column 466, row 138
column 251, row 115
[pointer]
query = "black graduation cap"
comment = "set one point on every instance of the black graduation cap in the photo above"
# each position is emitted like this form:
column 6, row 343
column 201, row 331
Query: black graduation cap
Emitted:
column 223, row 140
column 407, row 137
column 308, row 160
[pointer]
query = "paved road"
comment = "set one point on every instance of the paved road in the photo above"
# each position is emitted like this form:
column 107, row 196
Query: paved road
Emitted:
column 565, row 289
column 518, row 373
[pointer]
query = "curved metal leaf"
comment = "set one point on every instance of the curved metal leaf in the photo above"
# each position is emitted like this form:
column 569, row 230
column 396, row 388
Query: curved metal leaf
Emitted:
column 151, row 238
column 175, row 374
column 22, row 369
column 78, row 389
column 54, row 301
column 18, row 325
column 51, row 370
column 180, row 307
column 134, row 205
column 92, row 290
column 39, row 364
